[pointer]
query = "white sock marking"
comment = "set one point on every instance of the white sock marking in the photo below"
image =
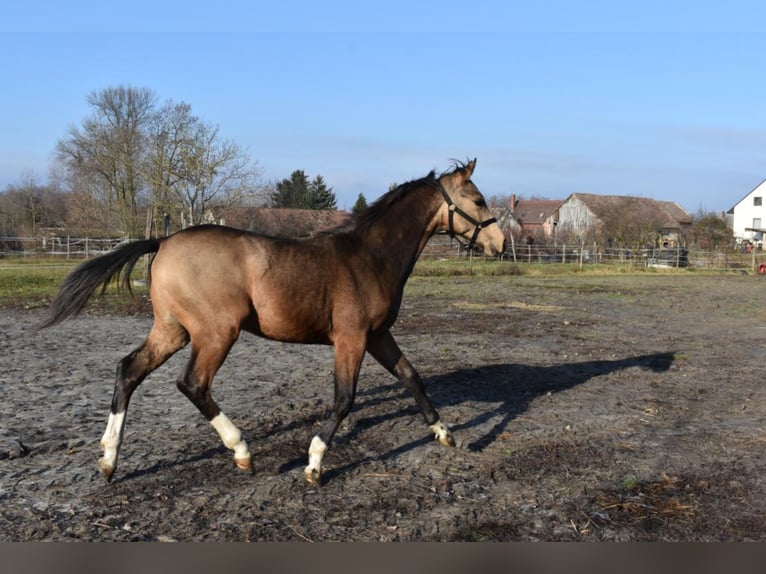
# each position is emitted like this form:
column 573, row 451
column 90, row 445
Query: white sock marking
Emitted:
column 230, row 435
column 317, row 448
column 112, row 438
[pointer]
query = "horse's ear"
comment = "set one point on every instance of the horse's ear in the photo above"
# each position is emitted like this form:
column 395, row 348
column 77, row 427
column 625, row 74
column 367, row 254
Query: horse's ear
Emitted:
column 459, row 176
column 464, row 173
column 470, row 166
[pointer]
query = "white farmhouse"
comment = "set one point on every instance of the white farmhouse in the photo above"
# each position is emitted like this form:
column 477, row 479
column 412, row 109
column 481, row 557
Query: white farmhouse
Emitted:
column 748, row 216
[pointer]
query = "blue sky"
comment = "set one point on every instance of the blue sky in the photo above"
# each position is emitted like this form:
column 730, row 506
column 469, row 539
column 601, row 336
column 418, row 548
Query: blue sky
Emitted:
column 654, row 99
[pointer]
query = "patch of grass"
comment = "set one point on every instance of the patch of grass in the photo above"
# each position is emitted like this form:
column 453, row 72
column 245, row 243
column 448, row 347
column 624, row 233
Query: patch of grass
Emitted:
column 32, row 284
column 465, row 267
column 493, row 306
column 25, row 285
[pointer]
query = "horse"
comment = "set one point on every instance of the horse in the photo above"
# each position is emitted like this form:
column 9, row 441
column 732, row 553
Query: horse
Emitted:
column 342, row 288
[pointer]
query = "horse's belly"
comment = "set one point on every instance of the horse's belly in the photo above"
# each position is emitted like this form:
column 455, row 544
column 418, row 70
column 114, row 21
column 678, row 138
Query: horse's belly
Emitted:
column 286, row 329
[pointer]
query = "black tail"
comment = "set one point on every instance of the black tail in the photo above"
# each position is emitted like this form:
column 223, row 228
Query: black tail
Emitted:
column 81, row 283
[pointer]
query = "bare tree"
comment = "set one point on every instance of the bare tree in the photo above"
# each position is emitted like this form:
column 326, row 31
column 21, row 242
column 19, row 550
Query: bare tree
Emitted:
column 29, row 208
column 192, row 170
column 130, row 155
column 630, row 224
column 14, row 216
column 216, row 173
column 709, row 231
column 104, row 157
column 169, row 133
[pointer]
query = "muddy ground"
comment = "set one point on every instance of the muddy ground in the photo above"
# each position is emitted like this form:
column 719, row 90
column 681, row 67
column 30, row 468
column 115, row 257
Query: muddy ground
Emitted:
column 626, row 407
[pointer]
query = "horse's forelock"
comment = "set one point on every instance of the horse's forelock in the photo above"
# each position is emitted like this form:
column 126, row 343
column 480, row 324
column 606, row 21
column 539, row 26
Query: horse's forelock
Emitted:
column 456, row 165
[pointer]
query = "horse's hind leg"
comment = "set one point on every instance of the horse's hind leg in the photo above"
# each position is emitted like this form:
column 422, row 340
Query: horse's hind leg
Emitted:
column 161, row 343
column 195, row 385
column 384, row 349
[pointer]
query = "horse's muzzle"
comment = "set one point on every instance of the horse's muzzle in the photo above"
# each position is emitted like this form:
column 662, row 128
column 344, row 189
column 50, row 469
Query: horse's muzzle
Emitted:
column 494, row 245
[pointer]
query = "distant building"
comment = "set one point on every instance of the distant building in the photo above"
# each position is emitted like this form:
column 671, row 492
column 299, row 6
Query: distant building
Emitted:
column 281, row 222
column 536, row 218
column 583, row 214
column 748, row 216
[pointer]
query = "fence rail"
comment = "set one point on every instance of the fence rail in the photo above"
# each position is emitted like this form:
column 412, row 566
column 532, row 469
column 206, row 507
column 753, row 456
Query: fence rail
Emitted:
column 582, row 255
column 57, row 247
column 441, row 246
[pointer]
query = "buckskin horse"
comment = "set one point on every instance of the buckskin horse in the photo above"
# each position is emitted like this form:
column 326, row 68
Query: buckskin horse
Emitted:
column 341, row 288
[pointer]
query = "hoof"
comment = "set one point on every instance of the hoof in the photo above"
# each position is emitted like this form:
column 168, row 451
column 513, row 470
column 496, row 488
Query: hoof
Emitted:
column 313, row 476
column 245, row 464
column 442, row 434
column 447, row 440
column 107, row 470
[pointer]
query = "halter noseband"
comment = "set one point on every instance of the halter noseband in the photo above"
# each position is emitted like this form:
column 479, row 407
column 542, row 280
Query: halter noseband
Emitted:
column 453, row 209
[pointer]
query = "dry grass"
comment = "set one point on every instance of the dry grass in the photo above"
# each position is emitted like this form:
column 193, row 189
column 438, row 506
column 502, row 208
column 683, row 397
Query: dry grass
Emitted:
column 670, row 497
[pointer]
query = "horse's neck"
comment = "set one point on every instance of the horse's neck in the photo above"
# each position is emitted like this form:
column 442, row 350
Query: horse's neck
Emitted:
column 398, row 237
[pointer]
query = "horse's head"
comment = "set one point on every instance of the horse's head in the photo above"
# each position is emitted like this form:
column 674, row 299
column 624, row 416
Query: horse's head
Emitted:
column 465, row 213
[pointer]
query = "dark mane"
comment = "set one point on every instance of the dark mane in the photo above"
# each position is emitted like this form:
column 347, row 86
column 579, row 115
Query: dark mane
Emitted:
column 384, row 202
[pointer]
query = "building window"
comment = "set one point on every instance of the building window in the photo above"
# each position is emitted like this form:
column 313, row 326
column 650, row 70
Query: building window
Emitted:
column 757, row 223
column 757, row 201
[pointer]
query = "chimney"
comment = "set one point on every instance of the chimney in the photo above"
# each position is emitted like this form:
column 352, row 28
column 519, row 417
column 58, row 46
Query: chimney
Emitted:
column 513, row 202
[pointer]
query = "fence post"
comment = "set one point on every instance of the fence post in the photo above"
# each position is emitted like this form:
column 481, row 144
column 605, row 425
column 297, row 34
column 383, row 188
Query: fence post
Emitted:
column 513, row 247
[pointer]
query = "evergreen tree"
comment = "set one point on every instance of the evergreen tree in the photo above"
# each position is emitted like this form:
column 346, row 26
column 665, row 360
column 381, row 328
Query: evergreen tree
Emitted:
column 360, row 205
column 298, row 193
column 321, row 196
column 293, row 192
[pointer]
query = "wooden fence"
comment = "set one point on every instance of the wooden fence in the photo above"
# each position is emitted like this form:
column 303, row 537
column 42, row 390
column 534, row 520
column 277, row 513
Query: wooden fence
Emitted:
column 443, row 247
column 57, row 247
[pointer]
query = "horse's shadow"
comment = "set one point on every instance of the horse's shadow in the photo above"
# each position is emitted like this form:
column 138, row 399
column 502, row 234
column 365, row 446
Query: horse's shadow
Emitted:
column 515, row 386
column 508, row 387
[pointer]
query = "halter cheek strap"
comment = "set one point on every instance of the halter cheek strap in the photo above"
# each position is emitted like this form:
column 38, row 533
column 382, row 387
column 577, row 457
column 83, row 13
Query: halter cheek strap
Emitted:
column 453, row 209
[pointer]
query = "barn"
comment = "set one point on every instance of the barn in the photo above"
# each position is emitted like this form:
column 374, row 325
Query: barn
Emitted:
column 611, row 217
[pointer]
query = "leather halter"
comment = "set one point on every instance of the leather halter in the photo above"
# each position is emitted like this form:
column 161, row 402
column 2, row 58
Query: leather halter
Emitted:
column 453, row 209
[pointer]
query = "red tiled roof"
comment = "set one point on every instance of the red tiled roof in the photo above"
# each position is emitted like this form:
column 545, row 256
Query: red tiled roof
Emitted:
column 280, row 222
column 534, row 211
column 668, row 214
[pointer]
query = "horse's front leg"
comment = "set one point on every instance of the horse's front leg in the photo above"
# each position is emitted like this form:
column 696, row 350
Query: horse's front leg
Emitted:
column 348, row 360
column 384, row 349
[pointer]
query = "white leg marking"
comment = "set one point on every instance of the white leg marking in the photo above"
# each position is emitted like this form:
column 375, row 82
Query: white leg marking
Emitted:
column 112, row 439
column 443, row 434
column 231, row 436
column 317, row 448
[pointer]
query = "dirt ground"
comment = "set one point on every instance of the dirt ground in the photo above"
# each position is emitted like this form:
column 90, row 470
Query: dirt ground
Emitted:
column 625, row 407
